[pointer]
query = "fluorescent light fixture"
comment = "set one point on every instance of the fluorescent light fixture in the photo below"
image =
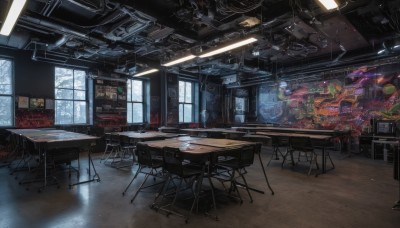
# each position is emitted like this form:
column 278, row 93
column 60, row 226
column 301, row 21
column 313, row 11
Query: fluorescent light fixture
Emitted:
column 183, row 59
column 329, row 4
column 12, row 16
column 145, row 72
column 381, row 51
column 229, row 47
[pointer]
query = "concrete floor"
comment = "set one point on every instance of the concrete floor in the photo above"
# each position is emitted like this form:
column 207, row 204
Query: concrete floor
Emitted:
column 360, row 192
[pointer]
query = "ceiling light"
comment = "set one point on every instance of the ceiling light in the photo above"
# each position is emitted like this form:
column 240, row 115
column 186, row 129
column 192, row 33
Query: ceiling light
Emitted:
column 381, row 51
column 145, row 72
column 229, row 47
column 183, row 59
column 329, row 4
column 12, row 16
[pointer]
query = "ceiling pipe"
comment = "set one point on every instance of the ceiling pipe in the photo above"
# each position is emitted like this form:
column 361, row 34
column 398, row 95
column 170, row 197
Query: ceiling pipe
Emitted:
column 59, row 42
column 57, row 26
column 49, row 7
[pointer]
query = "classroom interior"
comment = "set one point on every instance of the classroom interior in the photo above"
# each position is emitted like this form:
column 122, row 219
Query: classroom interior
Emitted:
column 199, row 112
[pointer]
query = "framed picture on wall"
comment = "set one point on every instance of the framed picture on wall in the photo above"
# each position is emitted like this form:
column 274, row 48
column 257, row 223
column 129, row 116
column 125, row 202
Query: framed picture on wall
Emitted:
column 23, row 102
column 49, row 104
column 36, row 103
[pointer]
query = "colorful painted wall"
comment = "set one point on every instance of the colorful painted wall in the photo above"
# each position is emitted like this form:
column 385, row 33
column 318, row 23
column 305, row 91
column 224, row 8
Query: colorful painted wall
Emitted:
column 348, row 102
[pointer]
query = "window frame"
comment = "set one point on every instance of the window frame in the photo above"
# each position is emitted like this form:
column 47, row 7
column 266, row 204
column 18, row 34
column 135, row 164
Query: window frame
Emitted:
column 73, row 89
column 12, row 94
column 129, row 101
column 192, row 102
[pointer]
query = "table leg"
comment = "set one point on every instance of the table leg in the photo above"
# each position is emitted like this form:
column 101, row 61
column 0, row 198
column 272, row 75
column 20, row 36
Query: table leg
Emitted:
column 265, row 174
column 323, row 160
column 397, row 204
column 95, row 177
column 45, row 164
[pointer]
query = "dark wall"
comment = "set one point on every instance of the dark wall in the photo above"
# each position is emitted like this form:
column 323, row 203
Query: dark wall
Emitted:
column 32, row 78
column 155, row 100
column 35, row 78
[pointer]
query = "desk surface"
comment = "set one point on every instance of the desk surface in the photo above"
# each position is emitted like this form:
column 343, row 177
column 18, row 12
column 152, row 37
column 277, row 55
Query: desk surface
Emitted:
column 33, row 131
column 283, row 134
column 146, row 135
column 198, row 145
column 52, row 136
column 213, row 130
column 292, row 130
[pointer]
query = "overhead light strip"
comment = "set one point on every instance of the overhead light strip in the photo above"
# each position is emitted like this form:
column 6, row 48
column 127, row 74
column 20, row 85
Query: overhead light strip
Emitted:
column 180, row 60
column 229, row 47
column 12, row 16
column 145, row 72
column 329, row 4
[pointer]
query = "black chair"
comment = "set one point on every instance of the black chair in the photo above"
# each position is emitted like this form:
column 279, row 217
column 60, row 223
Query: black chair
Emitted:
column 128, row 148
column 304, row 146
column 231, row 164
column 113, row 147
column 326, row 146
column 150, row 163
column 277, row 143
column 191, row 173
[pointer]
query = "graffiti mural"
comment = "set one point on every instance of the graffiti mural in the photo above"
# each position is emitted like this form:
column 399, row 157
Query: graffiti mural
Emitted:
column 346, row 103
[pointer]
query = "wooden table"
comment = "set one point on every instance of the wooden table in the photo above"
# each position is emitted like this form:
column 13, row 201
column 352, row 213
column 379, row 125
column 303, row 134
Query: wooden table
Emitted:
column 214, row 132
column 203, row 146
column 321, row 139
column 146, row 135
column 45, row 140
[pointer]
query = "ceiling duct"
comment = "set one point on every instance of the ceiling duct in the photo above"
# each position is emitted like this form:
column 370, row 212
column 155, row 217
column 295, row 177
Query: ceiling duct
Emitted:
column 129, row 26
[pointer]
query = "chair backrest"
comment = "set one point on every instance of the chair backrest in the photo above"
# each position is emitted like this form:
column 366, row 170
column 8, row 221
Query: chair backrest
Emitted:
column 247, row 155
column 279, row 141
column 147, row 156
column 173, row 161
column 125, row 141
column 301, row 143
column 240, row 157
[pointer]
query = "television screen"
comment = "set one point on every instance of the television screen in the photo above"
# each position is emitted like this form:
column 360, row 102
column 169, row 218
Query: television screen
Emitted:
column 36, row 103
column 385, row 128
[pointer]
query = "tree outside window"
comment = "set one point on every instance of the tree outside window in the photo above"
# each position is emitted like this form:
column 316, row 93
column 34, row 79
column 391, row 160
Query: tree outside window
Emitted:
column 185, row 102
column 70, row 96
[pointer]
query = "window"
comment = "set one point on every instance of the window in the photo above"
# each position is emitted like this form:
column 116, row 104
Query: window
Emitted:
column 70, row 96
column 135, row 101
column 185, row 102
column 6, row 93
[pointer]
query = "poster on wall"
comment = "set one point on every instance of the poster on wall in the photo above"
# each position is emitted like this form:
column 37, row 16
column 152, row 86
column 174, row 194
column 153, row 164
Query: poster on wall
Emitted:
column 36, row 103
column 49, row 104
column 23, row 102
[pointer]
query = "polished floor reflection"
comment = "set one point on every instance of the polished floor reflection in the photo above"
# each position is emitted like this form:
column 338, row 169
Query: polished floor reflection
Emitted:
column 360, row 192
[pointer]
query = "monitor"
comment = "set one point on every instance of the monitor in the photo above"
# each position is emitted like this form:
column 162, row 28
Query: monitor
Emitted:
column 385, row 128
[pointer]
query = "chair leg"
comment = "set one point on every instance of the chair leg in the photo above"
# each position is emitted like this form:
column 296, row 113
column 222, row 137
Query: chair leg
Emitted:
column 329, row 156
column 134, row 177
column 162, row 191
column 213, row 197
column 104, row 153
column 313, row 160
column 140, row 188
column 274, row 154
column 247, row 187
column 284, row 158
